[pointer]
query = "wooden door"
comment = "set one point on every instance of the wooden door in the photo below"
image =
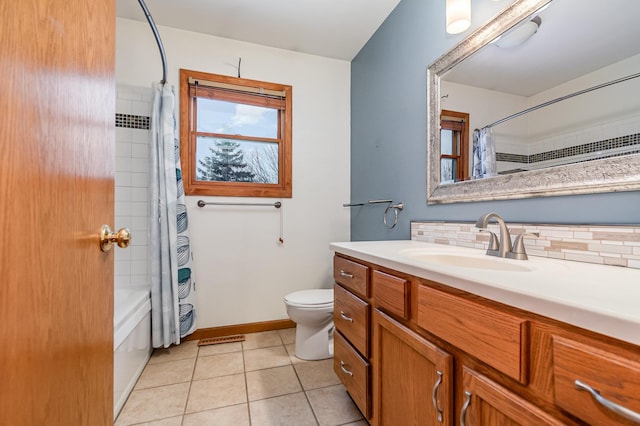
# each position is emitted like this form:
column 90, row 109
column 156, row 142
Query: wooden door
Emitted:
column 57, row 106
column 406, row 379
column 487, row 403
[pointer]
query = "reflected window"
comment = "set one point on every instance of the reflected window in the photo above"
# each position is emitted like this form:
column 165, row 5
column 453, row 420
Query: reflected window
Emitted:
column 454, row 146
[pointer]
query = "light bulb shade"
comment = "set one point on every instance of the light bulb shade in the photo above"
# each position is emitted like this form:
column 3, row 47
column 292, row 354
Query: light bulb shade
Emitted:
column 458, row 15
column 519, row 35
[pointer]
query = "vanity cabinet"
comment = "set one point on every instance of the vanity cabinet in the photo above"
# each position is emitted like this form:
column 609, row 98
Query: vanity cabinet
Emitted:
column 414, row 378
column 434, row 354
column 352, row 320
column 488, row 403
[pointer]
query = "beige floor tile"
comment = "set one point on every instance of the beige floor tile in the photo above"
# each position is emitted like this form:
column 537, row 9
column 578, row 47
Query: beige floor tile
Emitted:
column 172, row 421
column 218, row 365
column 288, row 335
column 333, row 406
column 358, row 423
column 285, row 410
column 222, row 348
column 166, row 373
column 146, row 405
column 272, row 382
column 291, row 350
column 235, row 415
column 258, row 359
column 217, row 392
column 317, row 374
column 263, row 339
column 184, row 350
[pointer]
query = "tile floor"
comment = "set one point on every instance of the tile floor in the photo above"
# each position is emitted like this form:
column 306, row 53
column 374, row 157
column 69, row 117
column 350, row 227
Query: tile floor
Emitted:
column 255, row 382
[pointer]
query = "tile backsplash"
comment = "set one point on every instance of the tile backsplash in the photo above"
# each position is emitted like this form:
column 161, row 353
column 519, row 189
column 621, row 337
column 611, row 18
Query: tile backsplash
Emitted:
column 601, row 244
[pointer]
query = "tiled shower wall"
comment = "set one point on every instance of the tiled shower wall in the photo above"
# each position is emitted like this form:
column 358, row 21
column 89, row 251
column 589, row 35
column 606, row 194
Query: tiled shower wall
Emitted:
column 133, row 109
column 600, row 244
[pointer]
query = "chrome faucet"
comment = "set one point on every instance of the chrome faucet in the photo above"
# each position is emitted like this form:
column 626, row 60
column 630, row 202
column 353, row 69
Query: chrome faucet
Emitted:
column 504, row 244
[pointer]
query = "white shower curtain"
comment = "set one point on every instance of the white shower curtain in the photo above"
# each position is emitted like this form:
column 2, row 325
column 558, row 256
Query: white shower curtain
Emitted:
column 172, row 283
column 484, row 154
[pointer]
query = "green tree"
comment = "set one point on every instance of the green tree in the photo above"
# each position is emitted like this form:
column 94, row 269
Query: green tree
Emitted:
column 225, row 164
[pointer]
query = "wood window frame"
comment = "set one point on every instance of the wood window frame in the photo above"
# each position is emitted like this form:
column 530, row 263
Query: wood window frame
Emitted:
column 458, row 121
column 245, row 90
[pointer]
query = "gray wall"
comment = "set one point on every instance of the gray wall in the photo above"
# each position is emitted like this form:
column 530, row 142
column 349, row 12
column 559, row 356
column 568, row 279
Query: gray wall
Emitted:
column 389, row 128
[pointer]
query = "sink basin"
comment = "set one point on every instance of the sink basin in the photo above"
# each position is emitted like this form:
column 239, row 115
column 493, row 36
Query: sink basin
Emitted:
column 472, row 262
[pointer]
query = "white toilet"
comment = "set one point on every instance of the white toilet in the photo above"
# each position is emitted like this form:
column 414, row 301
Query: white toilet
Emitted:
column 312, row 311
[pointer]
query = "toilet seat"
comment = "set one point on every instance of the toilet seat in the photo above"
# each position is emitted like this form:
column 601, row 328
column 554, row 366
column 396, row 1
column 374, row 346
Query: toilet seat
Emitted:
column 319, row 298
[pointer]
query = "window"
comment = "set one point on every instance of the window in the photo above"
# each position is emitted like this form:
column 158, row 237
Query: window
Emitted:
column 454, row 146
column 235, row 136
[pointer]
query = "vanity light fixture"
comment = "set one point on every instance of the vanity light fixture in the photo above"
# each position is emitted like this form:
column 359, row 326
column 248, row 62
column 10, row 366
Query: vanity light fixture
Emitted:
column 458, row 15
column 520, row 34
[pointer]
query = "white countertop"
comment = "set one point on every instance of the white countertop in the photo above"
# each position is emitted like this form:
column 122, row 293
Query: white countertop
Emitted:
column 604, row 299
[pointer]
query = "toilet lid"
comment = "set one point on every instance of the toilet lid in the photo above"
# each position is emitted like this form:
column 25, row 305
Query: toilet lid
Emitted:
column 310, row 297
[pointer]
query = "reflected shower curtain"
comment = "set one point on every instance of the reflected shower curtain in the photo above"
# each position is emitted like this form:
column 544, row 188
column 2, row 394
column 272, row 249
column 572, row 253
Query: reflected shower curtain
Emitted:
column 172, row 284
column 484, row 154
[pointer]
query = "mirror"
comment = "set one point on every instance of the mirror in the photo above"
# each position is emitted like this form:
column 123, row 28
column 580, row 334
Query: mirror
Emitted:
column 559, row 124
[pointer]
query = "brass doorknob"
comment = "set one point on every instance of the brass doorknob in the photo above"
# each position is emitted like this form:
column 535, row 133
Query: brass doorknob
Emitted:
column 107, row 238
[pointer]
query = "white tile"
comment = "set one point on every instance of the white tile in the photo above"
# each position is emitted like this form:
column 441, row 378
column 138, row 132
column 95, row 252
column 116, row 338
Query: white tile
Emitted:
column 123, row 179
column 139, row 208
column 122, row 209
column 123, row 149
column 122, row 255
column 138, row 252
column 139, row 267
column 139, row 179
column 139, row 150
column 139, row 239
column 140, row 280
column 140, row 135
column 140, row 165
column 122, row 267
column 141, row 108
column 140, row 194
column 123, row 164
column 123, row 134
column 123, row 106
column 122, row 194
column 140, row 223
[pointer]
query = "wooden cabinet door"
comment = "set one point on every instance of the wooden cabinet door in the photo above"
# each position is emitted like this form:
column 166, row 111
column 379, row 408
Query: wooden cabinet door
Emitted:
column 487, row 403
column 57, row 131
column 412, row 378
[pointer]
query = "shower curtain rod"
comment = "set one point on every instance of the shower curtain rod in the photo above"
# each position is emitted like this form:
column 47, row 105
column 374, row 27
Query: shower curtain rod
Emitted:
column 152, row 24
column 562, row 98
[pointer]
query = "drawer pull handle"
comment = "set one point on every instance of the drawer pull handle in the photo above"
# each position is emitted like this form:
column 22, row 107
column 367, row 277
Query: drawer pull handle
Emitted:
column 345, row 274
column 434, row 395
column 618, row 409
column 345, row 317
column 465, row 406
column 344, row 370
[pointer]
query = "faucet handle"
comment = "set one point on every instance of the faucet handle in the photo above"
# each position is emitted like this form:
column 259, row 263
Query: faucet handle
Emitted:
column 493, row 249
column 518, row 251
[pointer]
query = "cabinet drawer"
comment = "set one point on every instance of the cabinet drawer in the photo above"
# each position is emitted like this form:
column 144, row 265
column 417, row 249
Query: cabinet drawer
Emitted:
column 353, row 371
column 351, row 275
column 495, row 337
column 615, row 377
column 391, row 293
column 351, row 318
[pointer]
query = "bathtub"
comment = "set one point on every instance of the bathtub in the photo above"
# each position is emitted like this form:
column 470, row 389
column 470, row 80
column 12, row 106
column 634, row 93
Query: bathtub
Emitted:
column 131, row 342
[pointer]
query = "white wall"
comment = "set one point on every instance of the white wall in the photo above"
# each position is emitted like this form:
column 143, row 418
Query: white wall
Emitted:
column 241, row 271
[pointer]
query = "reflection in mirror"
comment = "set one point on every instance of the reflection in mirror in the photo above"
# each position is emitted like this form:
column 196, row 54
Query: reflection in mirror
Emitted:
column 545, row 84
